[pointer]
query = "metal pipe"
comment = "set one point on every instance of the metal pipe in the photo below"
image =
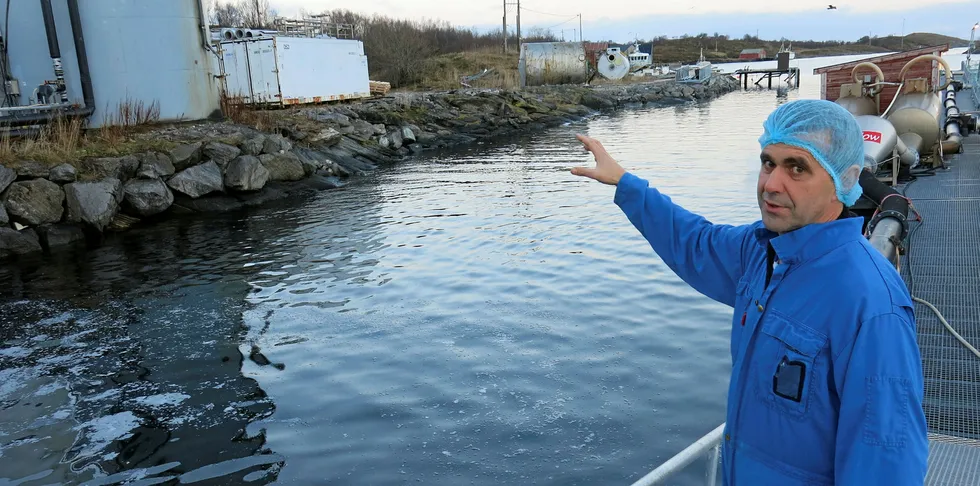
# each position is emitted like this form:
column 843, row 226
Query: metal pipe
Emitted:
column 46, row 114
column 890, row 105
column 907, row 155
column 683, row 458
column 52, row 34
column 889, row 225
column 81, row 55
column 883, row 239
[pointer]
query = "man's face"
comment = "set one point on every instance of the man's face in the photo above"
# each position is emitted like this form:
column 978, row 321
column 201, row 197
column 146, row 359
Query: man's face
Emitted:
column 794, row 189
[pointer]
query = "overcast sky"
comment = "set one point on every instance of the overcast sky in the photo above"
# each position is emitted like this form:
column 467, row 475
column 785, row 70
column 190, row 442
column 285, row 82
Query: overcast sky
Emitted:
column 801, row 19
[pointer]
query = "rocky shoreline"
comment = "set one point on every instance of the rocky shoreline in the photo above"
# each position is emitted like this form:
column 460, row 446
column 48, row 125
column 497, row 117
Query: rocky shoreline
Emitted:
column 224, row 166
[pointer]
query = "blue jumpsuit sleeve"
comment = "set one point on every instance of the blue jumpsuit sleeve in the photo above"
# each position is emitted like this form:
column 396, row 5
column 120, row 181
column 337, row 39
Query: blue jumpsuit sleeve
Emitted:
column 881, row 431
column 707, row 256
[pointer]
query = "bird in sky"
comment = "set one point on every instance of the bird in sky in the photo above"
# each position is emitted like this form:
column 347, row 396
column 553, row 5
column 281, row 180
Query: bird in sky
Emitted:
column 831, row 7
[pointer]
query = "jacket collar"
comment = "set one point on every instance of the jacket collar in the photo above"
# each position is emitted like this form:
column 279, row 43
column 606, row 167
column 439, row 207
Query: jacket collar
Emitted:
column 812, row 240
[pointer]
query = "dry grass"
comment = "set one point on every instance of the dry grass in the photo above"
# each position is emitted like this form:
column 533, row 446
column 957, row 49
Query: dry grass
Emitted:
column 445, row 71
column 66, row 140
column 235, row 109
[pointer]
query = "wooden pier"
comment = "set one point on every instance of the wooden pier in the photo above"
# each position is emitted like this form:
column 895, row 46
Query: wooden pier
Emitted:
column 792, row 76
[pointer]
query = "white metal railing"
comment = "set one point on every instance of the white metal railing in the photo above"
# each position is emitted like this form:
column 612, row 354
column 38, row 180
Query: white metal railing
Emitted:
column 710, row 442
column 971, row 74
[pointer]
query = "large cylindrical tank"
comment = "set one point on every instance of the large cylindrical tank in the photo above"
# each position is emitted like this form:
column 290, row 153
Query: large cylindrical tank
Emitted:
column 917, row 113
column 879, row 139
column 544, row 63
column 613, row 64
column 858, row 105
column 143, row 51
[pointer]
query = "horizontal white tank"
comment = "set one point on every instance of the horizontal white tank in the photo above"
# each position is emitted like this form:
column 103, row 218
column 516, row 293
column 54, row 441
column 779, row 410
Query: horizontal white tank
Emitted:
column 150, row 51
column 543, row 63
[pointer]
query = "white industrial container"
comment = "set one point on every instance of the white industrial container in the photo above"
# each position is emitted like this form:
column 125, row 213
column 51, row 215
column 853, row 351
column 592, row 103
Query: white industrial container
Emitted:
column 295, row 70
column 142, row 51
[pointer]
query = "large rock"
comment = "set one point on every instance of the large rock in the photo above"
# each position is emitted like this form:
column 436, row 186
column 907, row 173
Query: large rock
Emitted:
column 408, row 136
column 55, row 235
column 221, row 153
column 29, row 169
column 14, row 243
column 186, row 156
column 121, row 168
column 147, row 197
column 246, row 173
column 4, row 217
column 154, row 165
column 330, row 117
column 35, row 202
column 94, row 203
column 327, row 136
column 312, row 161
column 283, row 167
column 396, row 139
column 254, row 145
column 276, row 144
column 6, row 177
column 63, row 174
column 198, row 180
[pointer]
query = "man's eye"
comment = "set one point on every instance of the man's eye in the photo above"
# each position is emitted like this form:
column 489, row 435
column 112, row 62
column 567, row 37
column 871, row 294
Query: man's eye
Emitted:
column 798, row 170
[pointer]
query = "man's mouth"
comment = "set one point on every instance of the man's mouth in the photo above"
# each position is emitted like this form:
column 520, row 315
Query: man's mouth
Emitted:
column 773, row 208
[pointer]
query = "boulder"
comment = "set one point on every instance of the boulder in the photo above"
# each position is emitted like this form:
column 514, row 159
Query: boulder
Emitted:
column 246, row 173
column 55, row 235
column 35, row 202
column 29, row 169
column 64, row 173
column 154, row 165
column 408, row 136
column 221, row 153
column 253, row 146
column 283, row 167
column 187, row 155
column 6, row 177
column 120, row 168
column 329, row 117
column 198, row 180
column 327, row 136
column 4, row 217
column 276, row 144
column 147, row 197
column 94, row 203
column 395, row 136
column 14, row 243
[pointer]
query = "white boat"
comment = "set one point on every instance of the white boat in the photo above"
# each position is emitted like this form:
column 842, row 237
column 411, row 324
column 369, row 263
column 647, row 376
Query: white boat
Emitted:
column 792, row 55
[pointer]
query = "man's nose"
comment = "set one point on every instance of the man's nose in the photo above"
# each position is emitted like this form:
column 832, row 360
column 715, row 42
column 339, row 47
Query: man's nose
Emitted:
column 775, row 182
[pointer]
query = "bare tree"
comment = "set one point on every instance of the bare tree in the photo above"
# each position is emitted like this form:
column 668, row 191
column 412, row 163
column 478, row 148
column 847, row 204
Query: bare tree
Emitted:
column 256, row 14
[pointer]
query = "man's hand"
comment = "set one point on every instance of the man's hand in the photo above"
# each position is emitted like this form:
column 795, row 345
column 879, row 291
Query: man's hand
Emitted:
column 607, row 170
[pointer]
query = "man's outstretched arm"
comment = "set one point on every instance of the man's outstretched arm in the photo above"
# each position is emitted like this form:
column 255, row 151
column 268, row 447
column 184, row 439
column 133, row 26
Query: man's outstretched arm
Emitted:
column 706, row 256
column 881, row 431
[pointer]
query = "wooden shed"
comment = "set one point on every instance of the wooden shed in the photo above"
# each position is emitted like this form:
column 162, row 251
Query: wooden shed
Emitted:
column 832, row 77
column 752, row 54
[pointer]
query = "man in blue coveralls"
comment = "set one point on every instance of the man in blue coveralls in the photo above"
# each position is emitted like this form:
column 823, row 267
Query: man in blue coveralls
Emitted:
column 826, row 385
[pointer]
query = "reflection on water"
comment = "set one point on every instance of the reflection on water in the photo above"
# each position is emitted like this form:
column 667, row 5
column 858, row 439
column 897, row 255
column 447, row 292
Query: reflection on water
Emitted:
column 473, row 317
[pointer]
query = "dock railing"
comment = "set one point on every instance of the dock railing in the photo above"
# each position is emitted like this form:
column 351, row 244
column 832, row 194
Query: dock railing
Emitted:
column 710, row 444
column 971, row 74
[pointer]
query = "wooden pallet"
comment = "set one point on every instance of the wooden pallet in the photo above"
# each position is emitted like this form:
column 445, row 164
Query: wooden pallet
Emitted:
column 379, row 88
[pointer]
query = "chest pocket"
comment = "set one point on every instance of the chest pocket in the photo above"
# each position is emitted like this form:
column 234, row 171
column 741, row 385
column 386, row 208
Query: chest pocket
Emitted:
column 787, row 358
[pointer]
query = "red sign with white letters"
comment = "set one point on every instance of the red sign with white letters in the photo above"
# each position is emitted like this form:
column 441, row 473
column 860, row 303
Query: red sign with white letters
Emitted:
column 872, row 136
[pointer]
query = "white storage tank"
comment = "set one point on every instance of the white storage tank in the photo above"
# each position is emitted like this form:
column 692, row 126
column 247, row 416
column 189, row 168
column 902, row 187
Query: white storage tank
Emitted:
column 148, row 51
column 295, row 70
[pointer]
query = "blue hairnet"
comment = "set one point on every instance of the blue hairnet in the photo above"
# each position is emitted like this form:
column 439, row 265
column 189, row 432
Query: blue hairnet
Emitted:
column 829, row 132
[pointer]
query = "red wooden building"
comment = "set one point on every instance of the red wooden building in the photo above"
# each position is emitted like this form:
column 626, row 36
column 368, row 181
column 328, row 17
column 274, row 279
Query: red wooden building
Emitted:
column 832, row 77
column 752, row 54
